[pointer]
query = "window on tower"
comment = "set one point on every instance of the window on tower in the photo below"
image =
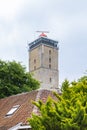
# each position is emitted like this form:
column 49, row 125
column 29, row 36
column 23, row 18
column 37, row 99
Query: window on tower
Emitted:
column 49, row 60
column 49, row 66
column 49, row 52
column 50, row 80
column 34, row 61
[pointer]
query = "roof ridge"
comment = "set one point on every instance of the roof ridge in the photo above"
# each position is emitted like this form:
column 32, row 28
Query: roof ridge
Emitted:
column 35, row 109
column 18, row 94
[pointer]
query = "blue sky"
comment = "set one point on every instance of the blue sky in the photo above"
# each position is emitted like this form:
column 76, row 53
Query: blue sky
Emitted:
column 66, row 20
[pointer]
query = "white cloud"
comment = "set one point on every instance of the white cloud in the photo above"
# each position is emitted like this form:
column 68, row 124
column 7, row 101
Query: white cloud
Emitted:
column 9, row 8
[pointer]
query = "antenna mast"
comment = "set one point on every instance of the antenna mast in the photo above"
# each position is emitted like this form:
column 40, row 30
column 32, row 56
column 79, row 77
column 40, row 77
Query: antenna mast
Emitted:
column 43, row 33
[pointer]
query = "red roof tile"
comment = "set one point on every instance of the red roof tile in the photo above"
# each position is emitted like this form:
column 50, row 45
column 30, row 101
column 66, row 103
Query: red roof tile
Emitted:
column 25, row 109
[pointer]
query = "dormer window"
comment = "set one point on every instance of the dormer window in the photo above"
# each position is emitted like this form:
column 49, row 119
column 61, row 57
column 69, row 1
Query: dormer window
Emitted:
column 13, row 110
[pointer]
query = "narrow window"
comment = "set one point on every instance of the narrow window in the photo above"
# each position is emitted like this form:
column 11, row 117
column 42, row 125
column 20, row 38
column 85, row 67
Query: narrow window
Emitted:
column 49, row 66
column 49, row 60
column 34, row 61
column 50, row 80
column 49, row 52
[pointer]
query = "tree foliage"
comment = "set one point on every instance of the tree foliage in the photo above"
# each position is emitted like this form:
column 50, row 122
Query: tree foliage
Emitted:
column 14, row 79
column 68, row 112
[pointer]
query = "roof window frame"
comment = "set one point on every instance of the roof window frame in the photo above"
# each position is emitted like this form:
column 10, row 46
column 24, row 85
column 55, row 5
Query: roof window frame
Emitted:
column 12, row 110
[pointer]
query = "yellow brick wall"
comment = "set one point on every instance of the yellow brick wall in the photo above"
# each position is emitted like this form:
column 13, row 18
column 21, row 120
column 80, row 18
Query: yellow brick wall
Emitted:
column 53, row 56
column 42, row 72
column 35, row 54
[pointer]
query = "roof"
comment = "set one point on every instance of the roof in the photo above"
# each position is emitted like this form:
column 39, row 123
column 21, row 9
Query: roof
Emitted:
column 24, row 110
column 43, row 40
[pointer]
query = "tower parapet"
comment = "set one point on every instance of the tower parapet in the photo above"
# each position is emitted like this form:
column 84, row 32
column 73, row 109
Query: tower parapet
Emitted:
column 45, row 41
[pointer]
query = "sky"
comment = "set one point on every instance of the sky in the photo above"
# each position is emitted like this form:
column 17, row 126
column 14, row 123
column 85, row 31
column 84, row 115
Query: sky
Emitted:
column 66, row 21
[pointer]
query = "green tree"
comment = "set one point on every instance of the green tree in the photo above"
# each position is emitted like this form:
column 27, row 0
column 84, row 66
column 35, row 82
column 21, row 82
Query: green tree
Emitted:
column 68, row 112
column 14, row 79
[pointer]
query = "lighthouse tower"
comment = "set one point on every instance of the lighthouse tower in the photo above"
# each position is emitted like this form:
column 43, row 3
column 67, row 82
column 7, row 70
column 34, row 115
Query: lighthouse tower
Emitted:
column 43, row 61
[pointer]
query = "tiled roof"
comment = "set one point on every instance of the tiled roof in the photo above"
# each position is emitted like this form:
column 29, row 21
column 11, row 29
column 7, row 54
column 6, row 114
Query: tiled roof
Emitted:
column 25, row 109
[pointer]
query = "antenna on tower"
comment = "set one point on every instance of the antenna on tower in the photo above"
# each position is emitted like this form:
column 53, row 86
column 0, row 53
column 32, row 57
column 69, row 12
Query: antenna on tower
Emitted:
column 42, row 33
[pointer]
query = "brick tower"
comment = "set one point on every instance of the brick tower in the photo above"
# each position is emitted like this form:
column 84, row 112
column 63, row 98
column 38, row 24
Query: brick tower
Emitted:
column 43, row 61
